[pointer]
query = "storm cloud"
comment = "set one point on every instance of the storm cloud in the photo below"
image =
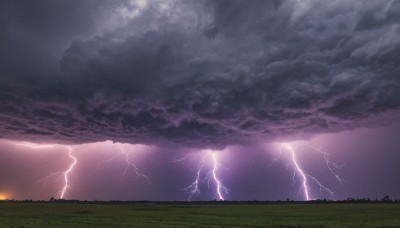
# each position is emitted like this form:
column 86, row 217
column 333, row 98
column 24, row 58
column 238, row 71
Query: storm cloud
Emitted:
column 196, row 73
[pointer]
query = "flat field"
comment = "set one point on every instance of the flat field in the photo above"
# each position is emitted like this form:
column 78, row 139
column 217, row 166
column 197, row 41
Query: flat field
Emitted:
column 198, row 215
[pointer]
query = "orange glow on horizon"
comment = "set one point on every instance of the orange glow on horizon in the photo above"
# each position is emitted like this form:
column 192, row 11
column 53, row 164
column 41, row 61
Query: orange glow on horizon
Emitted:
column 3, row 196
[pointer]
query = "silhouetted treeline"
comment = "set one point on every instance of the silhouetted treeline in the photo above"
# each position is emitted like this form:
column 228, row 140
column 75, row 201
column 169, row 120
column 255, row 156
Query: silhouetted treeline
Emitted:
column 385, row 199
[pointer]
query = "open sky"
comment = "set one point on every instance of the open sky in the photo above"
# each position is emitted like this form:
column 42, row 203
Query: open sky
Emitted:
column 199, row 99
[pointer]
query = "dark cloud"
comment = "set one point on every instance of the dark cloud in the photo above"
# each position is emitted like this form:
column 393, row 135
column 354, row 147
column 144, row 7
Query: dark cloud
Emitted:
column 202, row 74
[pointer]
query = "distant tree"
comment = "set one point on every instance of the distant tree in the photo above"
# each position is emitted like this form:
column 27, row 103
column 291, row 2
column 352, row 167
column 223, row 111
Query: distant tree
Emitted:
column 386, row 199
column 51, row 199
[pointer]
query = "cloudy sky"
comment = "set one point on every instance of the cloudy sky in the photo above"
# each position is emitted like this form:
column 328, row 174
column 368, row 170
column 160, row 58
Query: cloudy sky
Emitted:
column 137, row 89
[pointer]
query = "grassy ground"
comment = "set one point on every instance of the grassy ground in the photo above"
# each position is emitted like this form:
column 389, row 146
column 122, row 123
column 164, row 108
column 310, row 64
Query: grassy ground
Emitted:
column 198, row 215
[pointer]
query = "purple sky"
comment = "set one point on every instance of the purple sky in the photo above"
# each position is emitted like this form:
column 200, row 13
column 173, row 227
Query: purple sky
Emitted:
column 370, row 158
column 183, row 77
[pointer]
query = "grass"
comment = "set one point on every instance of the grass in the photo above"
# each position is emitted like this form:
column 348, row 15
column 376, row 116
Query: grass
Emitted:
column 198, row 215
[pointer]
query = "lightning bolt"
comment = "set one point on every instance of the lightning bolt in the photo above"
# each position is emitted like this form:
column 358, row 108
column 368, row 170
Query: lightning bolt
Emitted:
column 194, row 188
column 65, row 174
column 128, row 162
column 299, row 170
column 220, row 186
column 332, row 167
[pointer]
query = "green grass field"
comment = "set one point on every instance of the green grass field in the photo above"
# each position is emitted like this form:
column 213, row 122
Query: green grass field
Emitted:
column 198, row 215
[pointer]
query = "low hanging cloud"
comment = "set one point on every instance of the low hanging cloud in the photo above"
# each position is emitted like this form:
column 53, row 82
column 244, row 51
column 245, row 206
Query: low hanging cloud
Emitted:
column 196, row 73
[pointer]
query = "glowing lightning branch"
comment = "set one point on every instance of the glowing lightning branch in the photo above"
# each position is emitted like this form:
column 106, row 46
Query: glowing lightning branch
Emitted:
column 220, row 186
column 305, row 177
column 33, row 145
column 194, row 187
column 299, row 170
column 65, row 174
column 275, row 159
column 130, row 164
column 332, row 166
